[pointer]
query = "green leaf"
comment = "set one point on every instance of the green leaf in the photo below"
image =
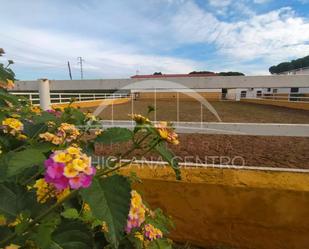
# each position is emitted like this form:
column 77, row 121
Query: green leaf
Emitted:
column 159, row 244
column 72, row 235
column 32, row 130
column 169, row 157
column 44, row 230
column 160, row 221
column 115, row 135
column 15, row 199
column 4, row 95
column 109, row 200
column 70, row 213
column 44, row 118
column 19, row 161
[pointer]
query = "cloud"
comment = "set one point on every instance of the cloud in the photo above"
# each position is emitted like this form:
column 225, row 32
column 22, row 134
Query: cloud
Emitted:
column 40, row 49
column 116, row 38
column 261, row 1
column 275, row 35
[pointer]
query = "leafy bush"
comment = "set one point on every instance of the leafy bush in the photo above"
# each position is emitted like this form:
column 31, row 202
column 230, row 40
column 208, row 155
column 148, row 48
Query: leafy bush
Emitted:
column 52, row 196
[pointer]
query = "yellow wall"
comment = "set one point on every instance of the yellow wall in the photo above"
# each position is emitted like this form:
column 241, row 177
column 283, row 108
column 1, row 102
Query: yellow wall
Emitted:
column 94, row 103
column 182, row 96
column 231, row 207
column 283, row 103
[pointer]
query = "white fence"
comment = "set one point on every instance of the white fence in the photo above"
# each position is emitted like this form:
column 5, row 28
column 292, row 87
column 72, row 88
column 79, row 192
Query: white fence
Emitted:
column 59, row 98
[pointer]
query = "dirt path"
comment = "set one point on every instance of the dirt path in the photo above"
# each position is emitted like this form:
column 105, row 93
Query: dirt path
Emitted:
column 228, row 111
column 288, row 152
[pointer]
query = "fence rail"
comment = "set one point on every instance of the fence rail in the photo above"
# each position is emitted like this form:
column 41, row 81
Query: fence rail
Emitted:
column 289, row 97
column 62, row 98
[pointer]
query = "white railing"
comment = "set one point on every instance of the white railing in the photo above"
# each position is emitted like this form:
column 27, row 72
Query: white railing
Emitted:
column 62, row 98
column 290, row 97
column 280, row 96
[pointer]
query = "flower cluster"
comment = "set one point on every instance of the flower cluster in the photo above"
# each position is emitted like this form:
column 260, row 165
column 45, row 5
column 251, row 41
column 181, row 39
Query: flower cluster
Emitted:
column 9, row 84
column 12, row 126
column 55, row 112
column 167, row 133
column 35, row 109
column 46, row 191
column 139, row 119
column 65, row 133
column 152, row 233
column 137, row 212
column 69, row 168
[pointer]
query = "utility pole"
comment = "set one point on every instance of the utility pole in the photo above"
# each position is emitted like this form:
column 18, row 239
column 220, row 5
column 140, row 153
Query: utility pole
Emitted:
column 80, row 62
column 70, row 73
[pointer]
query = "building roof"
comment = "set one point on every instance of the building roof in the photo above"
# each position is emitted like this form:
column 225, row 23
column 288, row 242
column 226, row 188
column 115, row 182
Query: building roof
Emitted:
column 150, row 76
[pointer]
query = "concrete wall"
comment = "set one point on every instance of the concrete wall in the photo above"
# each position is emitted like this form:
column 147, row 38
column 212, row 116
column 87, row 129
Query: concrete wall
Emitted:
column 231, row 208
column 176, row 83
column 181, row 96
column 284, row 103
column 93, row 103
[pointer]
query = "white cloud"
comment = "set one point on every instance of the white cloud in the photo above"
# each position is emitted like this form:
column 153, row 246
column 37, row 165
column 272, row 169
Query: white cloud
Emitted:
column 273, row 36
column 261, row 1
column 38, row 49
column 220, row 3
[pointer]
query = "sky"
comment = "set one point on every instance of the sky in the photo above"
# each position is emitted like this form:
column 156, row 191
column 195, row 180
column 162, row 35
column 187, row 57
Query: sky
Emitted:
column 119, row 38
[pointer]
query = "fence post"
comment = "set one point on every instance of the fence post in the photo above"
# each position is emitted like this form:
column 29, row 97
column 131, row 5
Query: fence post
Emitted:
column 44, row 94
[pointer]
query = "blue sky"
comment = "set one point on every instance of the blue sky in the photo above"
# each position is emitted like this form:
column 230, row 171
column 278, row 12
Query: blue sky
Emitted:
column 118, row 38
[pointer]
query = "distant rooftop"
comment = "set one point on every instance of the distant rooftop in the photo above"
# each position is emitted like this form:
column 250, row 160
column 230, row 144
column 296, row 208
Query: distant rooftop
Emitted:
column 147, row 76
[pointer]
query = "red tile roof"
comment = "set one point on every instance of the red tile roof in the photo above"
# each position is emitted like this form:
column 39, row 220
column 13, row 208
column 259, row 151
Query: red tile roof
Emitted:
column 148, row 76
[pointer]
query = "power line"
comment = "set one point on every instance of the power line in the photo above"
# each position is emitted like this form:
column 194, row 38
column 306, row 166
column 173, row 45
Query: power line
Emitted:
column 80, row 62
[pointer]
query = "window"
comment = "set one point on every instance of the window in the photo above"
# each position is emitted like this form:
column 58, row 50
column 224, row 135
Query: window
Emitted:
column 275, row 90
column 268, row 89
column 294, row 90
column 243, row 94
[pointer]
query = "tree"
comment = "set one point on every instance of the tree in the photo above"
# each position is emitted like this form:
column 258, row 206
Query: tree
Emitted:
column 231, row 74
column 288, row 66
column 201, row 72
column 157, row 73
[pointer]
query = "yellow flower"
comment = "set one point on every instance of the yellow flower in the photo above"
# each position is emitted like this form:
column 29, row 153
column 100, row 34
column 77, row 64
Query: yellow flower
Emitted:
column 167, row 133
column 69, row 171
column 104, row 227
column 73, row 150
column 35, row 109
column 62, row 157
column 79, row 165
column 10, row 84
column 12, row 126
column 139, row 236
column 12, row 246
column 22, row 137
column 57, row 140
column 98, row 132
column 51, row 123
column 17, row 221
column 47, row 136
column 2, row 220
column 62, row 194
column 44, row 190
column 86, row 207
column 138, row 118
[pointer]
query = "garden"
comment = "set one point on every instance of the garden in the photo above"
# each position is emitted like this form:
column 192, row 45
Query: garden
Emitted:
column 52, row 196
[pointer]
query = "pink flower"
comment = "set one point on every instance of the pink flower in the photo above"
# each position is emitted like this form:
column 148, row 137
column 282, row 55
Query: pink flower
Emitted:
column 55, row 113
column 55, row 170
column 62, row 170
column 60, row 183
